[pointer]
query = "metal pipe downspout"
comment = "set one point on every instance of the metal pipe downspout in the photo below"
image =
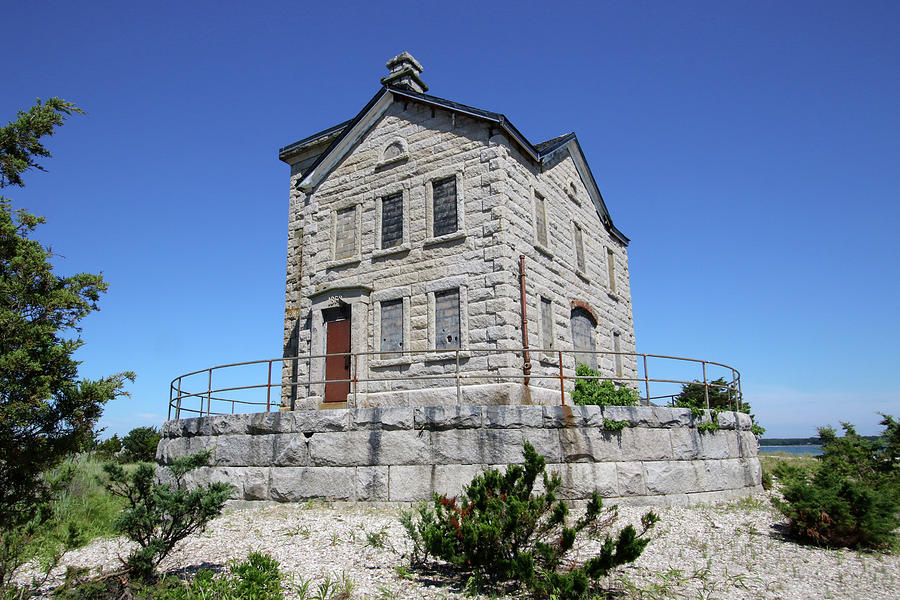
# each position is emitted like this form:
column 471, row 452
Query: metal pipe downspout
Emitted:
column 526, row 355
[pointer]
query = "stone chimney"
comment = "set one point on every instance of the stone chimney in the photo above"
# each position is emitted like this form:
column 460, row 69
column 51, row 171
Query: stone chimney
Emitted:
column 405, row 72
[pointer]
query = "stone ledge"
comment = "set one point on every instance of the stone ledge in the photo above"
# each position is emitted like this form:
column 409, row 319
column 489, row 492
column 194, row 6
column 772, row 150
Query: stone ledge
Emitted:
column 447, row 417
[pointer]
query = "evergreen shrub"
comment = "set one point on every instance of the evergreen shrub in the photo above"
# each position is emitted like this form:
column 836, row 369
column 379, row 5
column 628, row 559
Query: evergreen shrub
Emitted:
column 852, row 497
column 160, row 514
column 503, row 531
column 140, row 444
column 693, row 395
column 108, row 448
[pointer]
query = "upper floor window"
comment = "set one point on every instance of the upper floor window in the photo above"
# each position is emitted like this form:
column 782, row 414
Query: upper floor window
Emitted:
column 579, row 248
column 392, row 220
column 444, row 207
column 611, row 267
column 540, row 219
column 345, row 234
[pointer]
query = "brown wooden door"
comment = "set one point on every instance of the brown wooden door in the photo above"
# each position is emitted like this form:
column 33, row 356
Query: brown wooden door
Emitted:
column 337, row 336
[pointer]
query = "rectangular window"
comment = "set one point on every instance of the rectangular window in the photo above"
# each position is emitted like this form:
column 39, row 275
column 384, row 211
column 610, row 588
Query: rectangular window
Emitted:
column 345, row 233
column 446, row 320
column 392, row 220
column 444, row 207
column 617, row 347
column 540, row 219
column 611, row 266
column 546, row 324
column 392, row 327
column 579, row 249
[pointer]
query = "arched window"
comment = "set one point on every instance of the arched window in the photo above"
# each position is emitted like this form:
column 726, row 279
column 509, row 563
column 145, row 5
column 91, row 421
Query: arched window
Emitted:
column 583, row 326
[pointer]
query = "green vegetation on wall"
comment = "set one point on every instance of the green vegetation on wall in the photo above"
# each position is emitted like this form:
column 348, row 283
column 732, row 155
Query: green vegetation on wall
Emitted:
column 600, row 393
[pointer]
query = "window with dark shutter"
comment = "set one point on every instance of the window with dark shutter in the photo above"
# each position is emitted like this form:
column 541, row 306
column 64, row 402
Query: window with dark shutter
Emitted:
column 583, row 338
column 345, row 233
column 617, row 347
column 444, row 207
column 540, row 219
column 392, row 220
column 579, row 249
column 546, row 324
column 446, row 320
column 392, row 327
column 611, row 267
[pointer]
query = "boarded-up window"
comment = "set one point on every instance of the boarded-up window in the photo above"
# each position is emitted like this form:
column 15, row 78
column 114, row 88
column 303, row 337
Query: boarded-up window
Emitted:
column 345, row 233
column 540, row 219
column 392, row 327
column 617, row 347
column 583, row 338
column 392, row 220
column 611, row 266
column 546, row 324
column 444, row 207
column 446, row 320
column 579, row 249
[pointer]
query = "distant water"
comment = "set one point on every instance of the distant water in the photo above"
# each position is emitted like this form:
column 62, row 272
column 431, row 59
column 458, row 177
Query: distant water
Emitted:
column 791, row 449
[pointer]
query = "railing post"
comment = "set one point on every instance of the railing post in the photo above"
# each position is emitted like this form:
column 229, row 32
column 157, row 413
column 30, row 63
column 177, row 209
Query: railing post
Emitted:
column 170, row 403
column 208, row 396
column 178, row 401
column 458, row 392
column 355, row 379
column 646, row 379
column 268, row 391
column 705, row 386
column 562, row 386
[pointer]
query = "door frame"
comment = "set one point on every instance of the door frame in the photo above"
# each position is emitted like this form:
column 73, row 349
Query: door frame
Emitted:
column 355, row 301
column 336, row 392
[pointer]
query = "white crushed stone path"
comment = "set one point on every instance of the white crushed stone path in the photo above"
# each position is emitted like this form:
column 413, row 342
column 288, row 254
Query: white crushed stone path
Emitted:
column 732, row 550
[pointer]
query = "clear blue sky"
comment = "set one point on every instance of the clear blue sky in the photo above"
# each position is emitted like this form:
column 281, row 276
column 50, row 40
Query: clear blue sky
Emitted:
column 751, row 150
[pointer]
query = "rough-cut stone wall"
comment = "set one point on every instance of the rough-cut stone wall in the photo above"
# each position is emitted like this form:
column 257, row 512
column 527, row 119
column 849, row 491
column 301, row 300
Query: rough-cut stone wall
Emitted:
column 552, row 268
column 335, row 256
column 408, row 453
column 439, row 146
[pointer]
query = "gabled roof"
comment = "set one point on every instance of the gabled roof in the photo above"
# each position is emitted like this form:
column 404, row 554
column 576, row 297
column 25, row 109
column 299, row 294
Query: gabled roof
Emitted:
column 345, row 135
column 550, row 145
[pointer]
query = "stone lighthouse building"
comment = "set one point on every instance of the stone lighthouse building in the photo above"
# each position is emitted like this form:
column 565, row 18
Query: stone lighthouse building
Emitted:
column 441, row 258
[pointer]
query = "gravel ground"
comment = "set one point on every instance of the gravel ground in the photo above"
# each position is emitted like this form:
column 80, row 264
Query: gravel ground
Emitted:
column 734, row 550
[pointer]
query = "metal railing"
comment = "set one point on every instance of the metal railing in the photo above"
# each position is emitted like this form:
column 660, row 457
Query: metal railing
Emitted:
column 237, row 390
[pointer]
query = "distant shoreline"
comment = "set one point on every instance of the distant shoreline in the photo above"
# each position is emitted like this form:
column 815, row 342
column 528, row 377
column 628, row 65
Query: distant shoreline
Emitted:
column 790, row 442
column 768, row 443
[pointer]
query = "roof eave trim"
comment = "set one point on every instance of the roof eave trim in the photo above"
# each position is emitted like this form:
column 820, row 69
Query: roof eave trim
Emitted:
column 502, row 121
column 584, row 171
column 342, row 145
column 290, row 149
column 559, row 147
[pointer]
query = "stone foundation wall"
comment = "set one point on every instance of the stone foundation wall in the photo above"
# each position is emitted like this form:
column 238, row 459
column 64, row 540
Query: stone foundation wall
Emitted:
column 402, row 454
